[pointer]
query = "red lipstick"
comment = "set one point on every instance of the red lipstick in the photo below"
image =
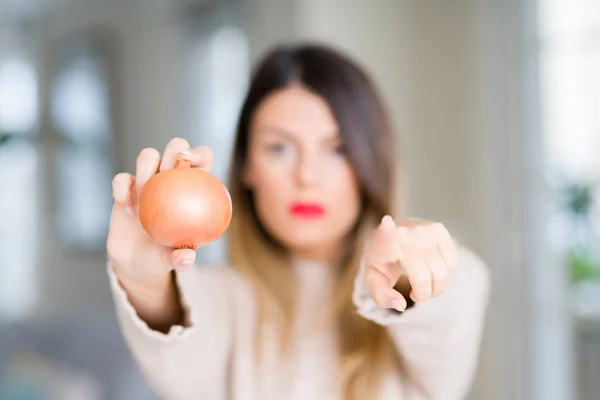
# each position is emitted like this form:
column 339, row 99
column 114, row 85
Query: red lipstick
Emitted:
column 307, row 210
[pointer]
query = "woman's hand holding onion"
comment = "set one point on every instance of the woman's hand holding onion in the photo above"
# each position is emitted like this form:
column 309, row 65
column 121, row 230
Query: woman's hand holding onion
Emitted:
column 172, row 206
column 132, row 251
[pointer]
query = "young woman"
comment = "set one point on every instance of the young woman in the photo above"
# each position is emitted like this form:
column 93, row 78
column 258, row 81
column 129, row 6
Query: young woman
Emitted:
column 325, row 295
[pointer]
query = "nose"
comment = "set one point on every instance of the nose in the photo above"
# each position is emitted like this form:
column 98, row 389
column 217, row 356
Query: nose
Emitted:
column 307, row 171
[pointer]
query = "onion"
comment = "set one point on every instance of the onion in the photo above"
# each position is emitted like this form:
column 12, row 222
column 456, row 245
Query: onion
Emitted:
column 184, row 208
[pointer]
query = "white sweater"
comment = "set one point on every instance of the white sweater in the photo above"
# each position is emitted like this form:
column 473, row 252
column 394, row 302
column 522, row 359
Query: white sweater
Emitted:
column 211, row 357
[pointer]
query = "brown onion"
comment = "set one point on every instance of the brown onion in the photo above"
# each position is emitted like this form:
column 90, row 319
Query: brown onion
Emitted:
column 184, row 207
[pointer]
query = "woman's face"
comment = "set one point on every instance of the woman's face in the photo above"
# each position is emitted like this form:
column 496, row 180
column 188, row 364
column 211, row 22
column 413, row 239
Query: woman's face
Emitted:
column 305, row 190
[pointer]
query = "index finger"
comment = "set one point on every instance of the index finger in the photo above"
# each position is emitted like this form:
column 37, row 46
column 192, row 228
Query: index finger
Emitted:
column 383, row 247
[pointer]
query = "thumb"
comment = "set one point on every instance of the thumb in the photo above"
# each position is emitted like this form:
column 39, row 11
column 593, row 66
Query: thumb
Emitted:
column 182, row 259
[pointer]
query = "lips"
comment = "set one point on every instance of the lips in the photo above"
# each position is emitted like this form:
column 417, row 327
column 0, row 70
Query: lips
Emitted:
column 307, row 210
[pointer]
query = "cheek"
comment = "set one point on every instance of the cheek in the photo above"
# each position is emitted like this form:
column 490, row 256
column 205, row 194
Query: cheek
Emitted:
column 269, row 179
column 271, row 188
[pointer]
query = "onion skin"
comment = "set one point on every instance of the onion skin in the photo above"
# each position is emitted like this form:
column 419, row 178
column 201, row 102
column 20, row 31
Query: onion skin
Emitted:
column 184, row 208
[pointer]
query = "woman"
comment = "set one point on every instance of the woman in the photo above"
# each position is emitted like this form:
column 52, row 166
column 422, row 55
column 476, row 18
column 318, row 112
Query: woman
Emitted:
column 325, row 296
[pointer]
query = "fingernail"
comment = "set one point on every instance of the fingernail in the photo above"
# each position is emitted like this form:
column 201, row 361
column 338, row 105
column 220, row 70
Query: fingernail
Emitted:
column 187, row 261
column 129, row 211
column 387, row 219
column 186, row 153
column 398, row 305
column 184, row 267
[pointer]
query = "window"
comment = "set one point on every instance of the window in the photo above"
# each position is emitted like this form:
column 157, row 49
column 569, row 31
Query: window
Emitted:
column 81, row 116
column 19, row 189
column 18, row 96
column 218, row 67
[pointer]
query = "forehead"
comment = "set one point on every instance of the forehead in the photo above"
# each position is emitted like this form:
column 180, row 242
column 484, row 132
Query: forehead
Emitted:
column 297, row 111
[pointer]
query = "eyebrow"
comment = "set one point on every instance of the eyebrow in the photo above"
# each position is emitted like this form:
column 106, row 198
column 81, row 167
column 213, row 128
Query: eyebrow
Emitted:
column 333, row 135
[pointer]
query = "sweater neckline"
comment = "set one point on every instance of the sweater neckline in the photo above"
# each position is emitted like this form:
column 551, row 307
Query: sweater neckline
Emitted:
column 313, row 272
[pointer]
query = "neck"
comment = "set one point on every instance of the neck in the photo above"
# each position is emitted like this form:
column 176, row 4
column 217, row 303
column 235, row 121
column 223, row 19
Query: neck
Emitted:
column 329, row 255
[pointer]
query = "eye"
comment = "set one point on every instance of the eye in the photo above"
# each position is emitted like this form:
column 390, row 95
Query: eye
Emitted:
column 278, row 148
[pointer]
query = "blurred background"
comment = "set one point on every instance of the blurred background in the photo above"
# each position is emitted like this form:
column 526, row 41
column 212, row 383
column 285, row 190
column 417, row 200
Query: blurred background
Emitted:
column 495, row 103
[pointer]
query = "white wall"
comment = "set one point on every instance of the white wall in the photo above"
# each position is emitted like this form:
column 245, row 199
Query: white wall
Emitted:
column 268, row 23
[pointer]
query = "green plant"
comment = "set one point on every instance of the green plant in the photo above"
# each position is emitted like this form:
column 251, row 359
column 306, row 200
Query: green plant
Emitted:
column 579, row 199
column 583, row 257
column 584, row 264
column 4, row 138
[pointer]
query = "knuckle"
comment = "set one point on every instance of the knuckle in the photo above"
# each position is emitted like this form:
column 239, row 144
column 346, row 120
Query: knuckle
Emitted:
column 443, row 233
column 403, row 232
column 207, row 154
column 205, row 149
column 439, row 286
column 440, row 230
column 424, row 295
column 420, row 230
column 440, row 274
column 389, row 271
column 421, row 278
column 438, row 226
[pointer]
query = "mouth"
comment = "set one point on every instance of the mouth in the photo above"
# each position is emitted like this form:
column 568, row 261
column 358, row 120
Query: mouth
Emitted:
column 307, row 210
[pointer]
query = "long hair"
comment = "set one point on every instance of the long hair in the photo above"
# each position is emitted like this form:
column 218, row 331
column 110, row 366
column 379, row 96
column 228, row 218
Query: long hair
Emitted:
column 365, row 348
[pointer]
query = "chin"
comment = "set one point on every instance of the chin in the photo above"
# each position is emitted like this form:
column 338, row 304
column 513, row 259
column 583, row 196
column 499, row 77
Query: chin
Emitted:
column 306, row 241
column 308, row 236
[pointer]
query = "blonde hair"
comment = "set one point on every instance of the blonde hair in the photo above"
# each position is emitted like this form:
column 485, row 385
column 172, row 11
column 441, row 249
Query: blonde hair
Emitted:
column 366, row 349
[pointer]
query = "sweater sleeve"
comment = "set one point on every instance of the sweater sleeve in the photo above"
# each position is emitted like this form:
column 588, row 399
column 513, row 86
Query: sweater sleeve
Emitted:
column 190, row 361
column 438, row 340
